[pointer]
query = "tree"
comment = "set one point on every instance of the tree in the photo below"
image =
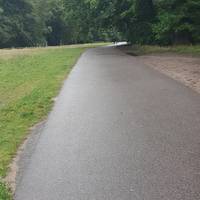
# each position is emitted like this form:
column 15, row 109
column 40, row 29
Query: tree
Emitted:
column 144, row 10
column 142, row 22
column 178, row 22
column 59, row 32
column 18, row 24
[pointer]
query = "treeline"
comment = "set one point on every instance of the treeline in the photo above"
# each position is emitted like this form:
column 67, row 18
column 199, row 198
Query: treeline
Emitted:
column 55, row 22
column 163, row 22
column 50, row 22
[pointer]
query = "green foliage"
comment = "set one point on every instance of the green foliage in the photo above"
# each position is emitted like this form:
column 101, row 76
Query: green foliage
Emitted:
column 59, row 33
column 55, row 22
column 163, row 29
column 144, row 15
column 144, row 10
column 178, row 22
column 18, row 24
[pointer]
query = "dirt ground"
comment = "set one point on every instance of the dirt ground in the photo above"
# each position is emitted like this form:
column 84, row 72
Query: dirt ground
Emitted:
column 183, row 68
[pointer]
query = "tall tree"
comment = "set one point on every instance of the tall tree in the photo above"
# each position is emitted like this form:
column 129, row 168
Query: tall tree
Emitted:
column 178, row 22
column 141, row 29
column 18, row 24
column 59, row 32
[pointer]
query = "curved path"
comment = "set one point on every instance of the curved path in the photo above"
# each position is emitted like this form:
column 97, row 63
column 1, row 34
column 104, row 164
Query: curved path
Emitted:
column 118, row 131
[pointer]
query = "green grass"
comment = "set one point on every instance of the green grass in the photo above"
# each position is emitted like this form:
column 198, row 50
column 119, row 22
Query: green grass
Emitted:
column 29, row 79
column 181, row 49
column 5, row 193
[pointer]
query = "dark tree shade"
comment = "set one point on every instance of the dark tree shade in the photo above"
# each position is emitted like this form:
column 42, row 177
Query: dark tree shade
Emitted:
column 144, row 10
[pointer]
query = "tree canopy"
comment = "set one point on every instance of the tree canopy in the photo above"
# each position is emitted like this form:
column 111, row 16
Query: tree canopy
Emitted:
column 55, row 22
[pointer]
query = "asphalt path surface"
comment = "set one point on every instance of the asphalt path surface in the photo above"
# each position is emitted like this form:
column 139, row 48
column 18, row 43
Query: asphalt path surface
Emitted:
column 119, row 130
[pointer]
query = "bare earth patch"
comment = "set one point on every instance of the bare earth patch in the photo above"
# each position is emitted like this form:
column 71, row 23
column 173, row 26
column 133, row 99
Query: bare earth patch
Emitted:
column 183, row 68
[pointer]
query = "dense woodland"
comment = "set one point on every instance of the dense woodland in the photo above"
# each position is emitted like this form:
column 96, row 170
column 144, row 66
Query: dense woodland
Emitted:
column 55, row 22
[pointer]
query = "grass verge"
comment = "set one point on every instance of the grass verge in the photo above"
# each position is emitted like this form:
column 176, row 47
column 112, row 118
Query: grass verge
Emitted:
column 29, row 79
column 5, row 193
column 148, row 49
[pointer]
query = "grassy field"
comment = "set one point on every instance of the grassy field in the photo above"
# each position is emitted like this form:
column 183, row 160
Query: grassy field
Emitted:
column 147, row 49
column 29, row 79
